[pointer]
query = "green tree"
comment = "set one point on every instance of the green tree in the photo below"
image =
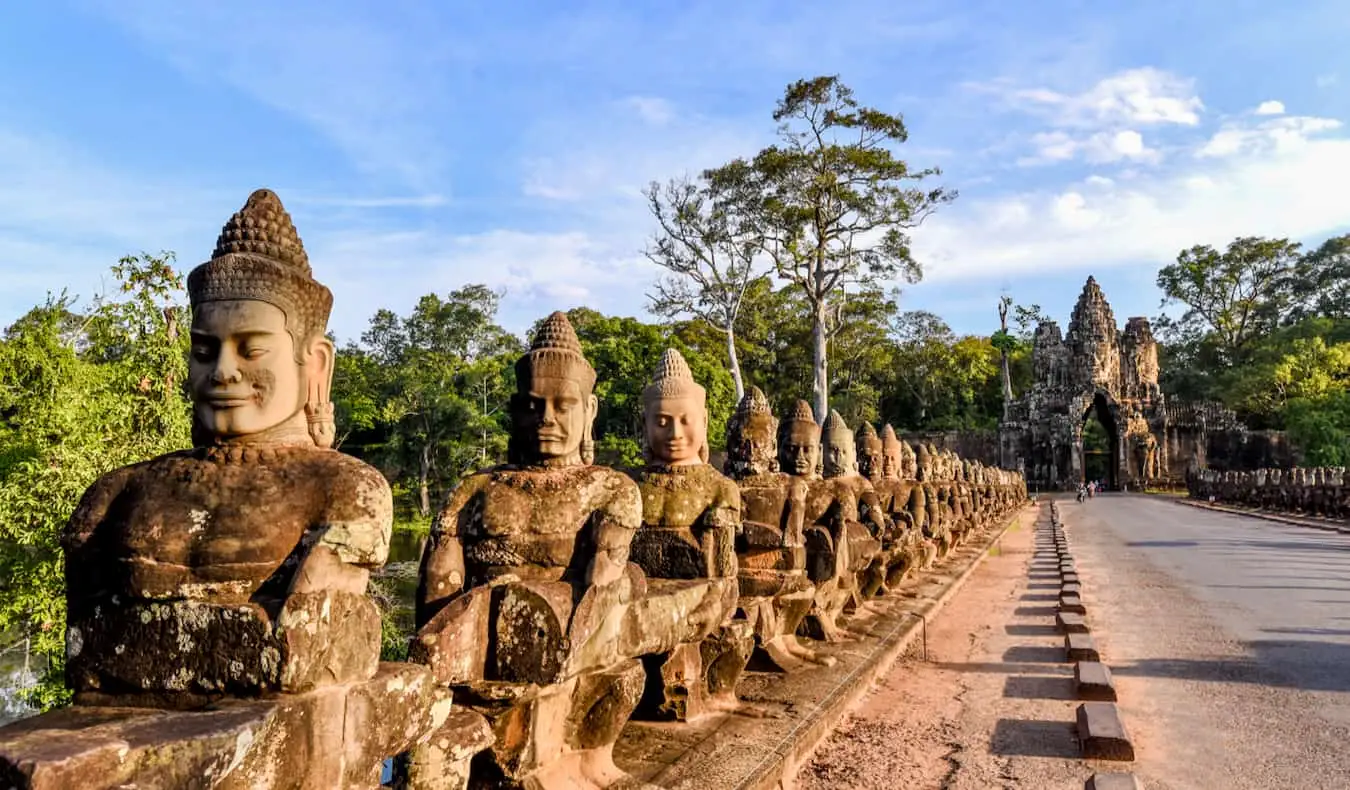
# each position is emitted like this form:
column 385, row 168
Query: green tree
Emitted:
column 1231, row 297
column 713, row 253
column 80, row 394
column 832, row 202
column 425, row 394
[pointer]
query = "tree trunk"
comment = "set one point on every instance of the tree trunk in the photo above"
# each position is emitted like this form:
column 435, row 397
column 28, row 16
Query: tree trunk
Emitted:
column 735, row 363
column 1007, row 384
column 424, row 482
column 821, row 385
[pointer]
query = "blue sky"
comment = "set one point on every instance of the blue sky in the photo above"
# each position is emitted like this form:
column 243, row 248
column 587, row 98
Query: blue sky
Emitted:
column 421, row 146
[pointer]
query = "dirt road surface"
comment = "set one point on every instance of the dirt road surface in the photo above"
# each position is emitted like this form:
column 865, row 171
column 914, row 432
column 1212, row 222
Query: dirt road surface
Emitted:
column 1228, row 636
column 991, row 707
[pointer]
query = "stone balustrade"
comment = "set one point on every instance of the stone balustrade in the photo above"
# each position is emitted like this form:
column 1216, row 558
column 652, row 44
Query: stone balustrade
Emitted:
column 221, row 635
column 1317, row 491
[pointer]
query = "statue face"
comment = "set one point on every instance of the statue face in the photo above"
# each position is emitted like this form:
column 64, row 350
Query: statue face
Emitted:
column 553, row 417
column 242, row 370
column 801, row 450
column 891, row 461
column 756, row 446
column 840, row 459
column 676, row 430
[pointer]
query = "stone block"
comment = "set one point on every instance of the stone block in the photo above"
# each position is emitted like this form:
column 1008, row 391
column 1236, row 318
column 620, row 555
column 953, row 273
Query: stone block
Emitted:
column 1071, row 588
column 1113, row 781
column 1072, row 604
column 1093, row 680
column 1101, row 733
column 1070, row 578
column 1070, row 623
column 1081, row 647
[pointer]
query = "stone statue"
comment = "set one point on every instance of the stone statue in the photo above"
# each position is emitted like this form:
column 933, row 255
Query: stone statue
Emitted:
column 775, row 593
column 525, row 594
column 239, row 567
column 691, row 515
column 879, row 460
column 868, row 532
column 829, row 508
column 225, row 585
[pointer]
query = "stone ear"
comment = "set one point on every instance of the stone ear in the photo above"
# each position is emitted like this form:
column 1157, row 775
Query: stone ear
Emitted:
column 320, row 356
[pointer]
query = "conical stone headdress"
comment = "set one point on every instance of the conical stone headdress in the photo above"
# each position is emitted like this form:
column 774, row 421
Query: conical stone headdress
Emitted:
column 259, row 256
column 801, row 413
column 866, row 433
column 889, row 441
column 673, row 379
column 555, row 353
column 835, row 432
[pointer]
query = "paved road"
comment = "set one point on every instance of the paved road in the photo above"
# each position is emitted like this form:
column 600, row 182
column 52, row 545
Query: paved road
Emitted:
column 1229, row 637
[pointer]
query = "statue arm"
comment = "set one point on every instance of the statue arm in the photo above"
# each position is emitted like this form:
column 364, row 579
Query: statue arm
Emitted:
column 354, row 538
column 721, row 525
column 618, row 520
column 441, row 575
column 872, row 513
column 78, row 542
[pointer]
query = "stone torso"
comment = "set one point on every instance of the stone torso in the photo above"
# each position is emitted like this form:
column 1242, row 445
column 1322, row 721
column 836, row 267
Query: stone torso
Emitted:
column 530, row 522
column 223, row 525
column 689, row 519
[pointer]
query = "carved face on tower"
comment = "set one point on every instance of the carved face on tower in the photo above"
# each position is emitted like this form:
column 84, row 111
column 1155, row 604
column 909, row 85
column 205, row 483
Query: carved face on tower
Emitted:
column 871, row 452
column 554, row 404
column 752, row 437
column 675, row 414
column 260, row 368
column 799, row 441
column 836, row 445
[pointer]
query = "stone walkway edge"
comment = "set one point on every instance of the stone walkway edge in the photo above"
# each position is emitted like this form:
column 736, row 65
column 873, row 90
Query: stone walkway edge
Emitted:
column 749, row 753
column 1294, row 521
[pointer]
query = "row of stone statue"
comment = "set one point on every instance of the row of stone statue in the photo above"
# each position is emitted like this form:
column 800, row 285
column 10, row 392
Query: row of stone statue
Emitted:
column 218, row 618
column 1317, row 491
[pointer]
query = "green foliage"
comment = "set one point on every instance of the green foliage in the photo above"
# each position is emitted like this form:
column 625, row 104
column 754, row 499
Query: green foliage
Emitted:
column 80, row 394
column 1320, row 427
column 831, row 203
column 423, row 396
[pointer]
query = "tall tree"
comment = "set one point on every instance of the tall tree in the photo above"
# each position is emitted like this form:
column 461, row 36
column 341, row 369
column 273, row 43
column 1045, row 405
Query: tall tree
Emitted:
column 713, row 254
column 1005, row 344
column 1231, row 297
column 833, row 203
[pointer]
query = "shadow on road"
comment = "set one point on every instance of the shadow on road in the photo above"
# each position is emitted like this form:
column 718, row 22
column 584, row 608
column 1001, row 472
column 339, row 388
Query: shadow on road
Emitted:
column 1301, row 664
column 1027, row 629
column 1034, row 655
column 1034, row 738
column 1039, row 687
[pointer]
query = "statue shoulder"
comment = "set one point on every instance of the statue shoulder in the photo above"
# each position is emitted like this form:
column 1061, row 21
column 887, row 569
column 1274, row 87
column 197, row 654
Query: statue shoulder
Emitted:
column 100, row 495
column 360, row 509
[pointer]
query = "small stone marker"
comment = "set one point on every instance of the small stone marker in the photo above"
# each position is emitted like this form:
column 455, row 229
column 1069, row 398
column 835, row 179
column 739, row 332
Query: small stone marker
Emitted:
column 1102, row 734
column 1071, row 603
column 1113, row 781
column 1080, row 647
column 1069, row 578
column 1094, row 681
column 1070, row 623
column 1071, row 588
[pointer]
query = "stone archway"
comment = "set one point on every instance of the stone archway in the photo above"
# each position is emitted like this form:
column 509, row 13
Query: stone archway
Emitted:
column 1107, row 411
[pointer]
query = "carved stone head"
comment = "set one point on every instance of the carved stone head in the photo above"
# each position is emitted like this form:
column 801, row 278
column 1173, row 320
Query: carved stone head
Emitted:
column 838, row 453
column 871, row 452
column 554, row 405
column 261, row 367
column 892, row 454
column 674, row 414
column 799, row 441
column 752, row 437
column 923, row 463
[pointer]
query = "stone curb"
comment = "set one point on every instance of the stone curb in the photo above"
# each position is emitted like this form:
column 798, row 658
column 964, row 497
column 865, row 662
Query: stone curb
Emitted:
column 1113, row 781
column 789, row 756
column 1080, row 647
column 1093, row 680
column 1265, row 516
column 1102, row 733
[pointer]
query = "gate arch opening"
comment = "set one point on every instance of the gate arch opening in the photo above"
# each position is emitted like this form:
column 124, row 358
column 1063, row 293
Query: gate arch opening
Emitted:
column 1099, row 444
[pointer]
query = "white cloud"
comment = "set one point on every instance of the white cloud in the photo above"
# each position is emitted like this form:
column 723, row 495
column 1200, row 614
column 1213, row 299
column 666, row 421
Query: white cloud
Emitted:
column 1286, row 133
column 1098, row 148
column 1326, row 80
column 1279, row 177
column 653, row 110
column 1270, row 107
column 1136, row 97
